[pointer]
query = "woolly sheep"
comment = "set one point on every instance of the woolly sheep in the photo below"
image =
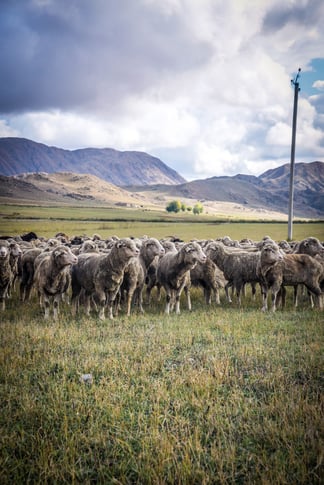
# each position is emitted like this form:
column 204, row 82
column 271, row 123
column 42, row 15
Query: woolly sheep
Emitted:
column 173, row 273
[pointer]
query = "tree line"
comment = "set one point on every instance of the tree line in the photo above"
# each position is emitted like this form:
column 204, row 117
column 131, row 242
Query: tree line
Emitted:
column 177, row 206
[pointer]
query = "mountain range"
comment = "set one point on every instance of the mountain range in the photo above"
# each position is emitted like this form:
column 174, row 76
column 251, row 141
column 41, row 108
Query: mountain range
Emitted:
column 33, row 171
column 18, row 155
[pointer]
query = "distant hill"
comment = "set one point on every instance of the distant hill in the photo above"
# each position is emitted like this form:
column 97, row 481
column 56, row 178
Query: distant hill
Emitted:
column 269, row 191
column 33, row 172
column 65, row 188
column 19, row 155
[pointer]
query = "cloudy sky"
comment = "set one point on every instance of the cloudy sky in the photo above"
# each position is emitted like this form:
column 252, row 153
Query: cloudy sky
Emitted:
column 202, row 84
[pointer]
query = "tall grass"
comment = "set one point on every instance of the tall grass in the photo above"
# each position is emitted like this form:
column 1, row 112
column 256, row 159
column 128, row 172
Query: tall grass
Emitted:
column 219, row 395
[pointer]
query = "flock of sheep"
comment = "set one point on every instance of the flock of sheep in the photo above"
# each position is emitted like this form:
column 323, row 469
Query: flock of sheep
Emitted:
column 108, row 275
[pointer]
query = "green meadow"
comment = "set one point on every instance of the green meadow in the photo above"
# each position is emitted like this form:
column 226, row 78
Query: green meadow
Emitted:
column 218, row 395
column 48, row 221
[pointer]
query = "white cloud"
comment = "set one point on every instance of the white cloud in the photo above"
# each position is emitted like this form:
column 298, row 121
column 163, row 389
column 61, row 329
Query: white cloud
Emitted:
column 6, row 130
column 319, row 85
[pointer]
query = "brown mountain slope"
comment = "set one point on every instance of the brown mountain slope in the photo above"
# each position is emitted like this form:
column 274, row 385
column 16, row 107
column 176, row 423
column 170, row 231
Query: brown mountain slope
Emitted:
column 68, row 189
column 269, row 191
column 18, row 155
column 65, row 188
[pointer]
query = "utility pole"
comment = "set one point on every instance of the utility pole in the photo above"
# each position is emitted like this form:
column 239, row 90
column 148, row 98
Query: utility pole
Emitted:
column 295, row 83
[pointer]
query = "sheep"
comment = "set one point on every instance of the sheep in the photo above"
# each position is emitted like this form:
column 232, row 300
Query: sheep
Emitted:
column 285, row 246
column 173, row 273
column 87, row 246
column 310, row 246
column 5, row 272
column 209, row 277
column 15, row 256
column 27, row 272
column 101, row 275
column 239, row 266
column 136, row 271
column 313, row 247
column 278, row 269
column 28, row 262
column 151, row 278
column 52, row 275
column 30, row 236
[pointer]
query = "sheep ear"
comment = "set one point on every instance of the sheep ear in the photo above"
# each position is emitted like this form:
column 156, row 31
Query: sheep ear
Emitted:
column 188, row 248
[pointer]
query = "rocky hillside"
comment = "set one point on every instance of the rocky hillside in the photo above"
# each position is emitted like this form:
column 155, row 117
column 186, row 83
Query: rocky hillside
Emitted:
column 19, row 155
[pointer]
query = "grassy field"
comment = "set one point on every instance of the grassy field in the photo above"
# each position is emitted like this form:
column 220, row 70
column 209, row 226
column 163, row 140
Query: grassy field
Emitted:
column 48, row 221
column 220, row 395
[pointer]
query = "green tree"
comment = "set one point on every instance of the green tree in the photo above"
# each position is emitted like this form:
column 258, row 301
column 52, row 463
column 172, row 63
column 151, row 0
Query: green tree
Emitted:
column 173, row 206
column 198, row 208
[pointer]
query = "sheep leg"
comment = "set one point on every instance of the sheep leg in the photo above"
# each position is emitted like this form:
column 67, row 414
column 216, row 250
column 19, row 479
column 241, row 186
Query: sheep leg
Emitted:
column 253, row 288
column 311, row 300
column 207, row 294
column 101, row 314
column 46, row 305
column 56, row 306
column 217, row 296
column 87, row 304
column 274, row 294
column 177, row 304
column 187, row 293
column 264, row 300
column 239, row 289
column 158, row 295
column 129, row 304
column 168, row 302
column 227, row 286
column 316, row 291
column 75, row 298
column 25, row 288
column 148, row 295
column 296, row 296
column 129, row 301
column 139, row 299
column 282, row 295
column 110, row 302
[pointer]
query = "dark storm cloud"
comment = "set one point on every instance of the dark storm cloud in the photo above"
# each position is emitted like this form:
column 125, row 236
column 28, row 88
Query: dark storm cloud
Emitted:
column 59, row 54
column 298, row 13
